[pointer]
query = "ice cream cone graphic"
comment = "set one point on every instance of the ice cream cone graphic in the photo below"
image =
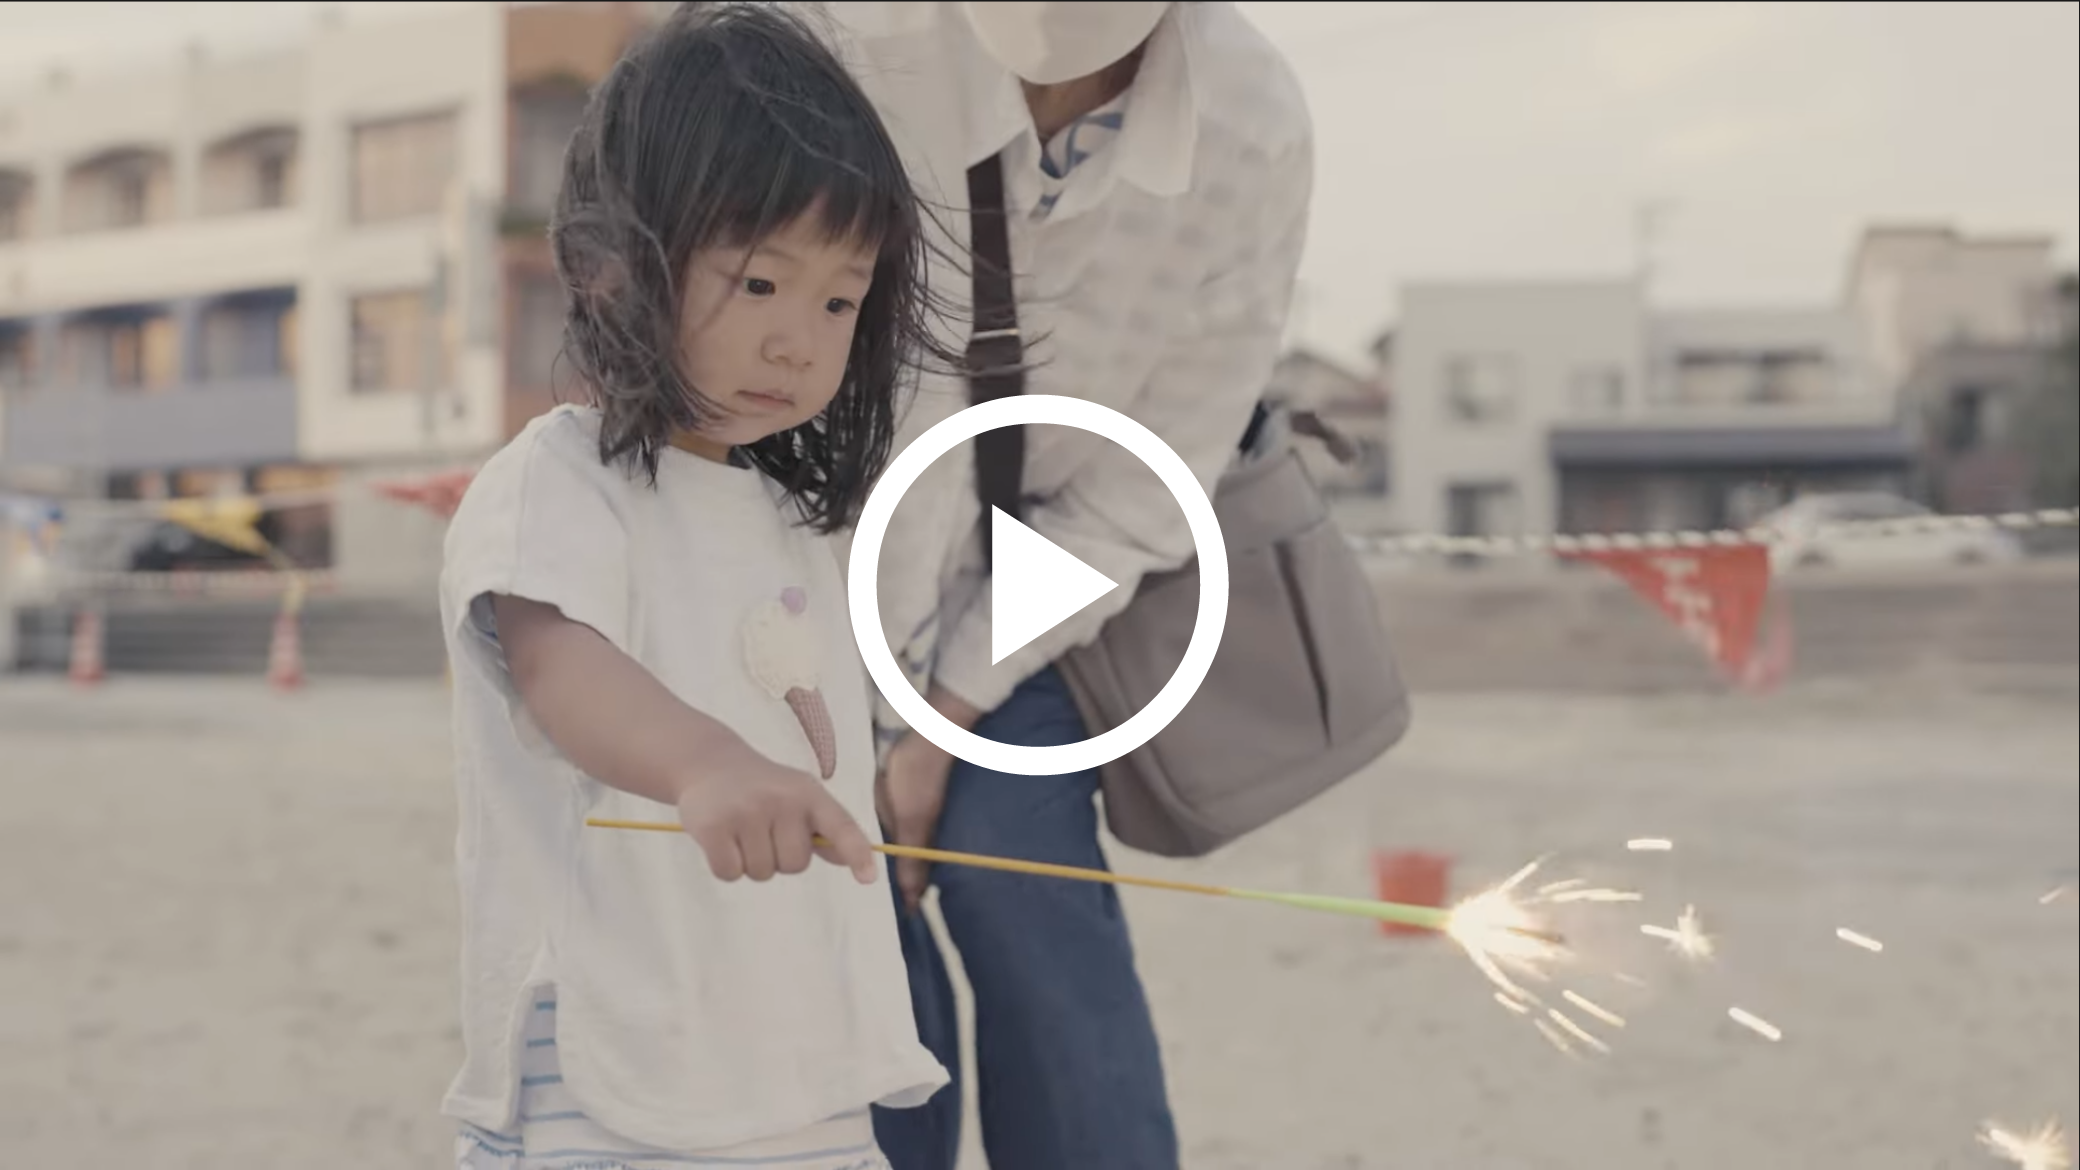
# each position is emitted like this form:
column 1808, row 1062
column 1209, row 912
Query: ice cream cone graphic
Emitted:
column 780, row 648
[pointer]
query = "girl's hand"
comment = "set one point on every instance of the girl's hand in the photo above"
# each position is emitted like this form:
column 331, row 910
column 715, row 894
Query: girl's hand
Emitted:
column 618, row 724
column 755, row 818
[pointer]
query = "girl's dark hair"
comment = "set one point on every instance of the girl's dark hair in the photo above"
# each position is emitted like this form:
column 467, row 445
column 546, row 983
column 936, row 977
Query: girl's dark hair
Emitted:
column 722, row 125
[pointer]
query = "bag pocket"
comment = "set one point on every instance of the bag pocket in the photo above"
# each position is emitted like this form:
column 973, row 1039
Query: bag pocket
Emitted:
column 1338, row 612
column 1261, row 705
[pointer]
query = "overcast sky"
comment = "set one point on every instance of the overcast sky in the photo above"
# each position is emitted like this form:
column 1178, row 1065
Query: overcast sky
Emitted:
column 1519, row 139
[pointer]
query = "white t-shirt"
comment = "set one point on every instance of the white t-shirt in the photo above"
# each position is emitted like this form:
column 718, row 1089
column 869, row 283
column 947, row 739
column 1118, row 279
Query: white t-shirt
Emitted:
column 692, row 1013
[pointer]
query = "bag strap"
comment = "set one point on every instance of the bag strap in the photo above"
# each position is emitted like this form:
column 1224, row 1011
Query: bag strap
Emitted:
column 996, row 351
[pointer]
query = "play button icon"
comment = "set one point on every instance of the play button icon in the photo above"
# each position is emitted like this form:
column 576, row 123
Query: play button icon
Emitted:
column 1035, row 585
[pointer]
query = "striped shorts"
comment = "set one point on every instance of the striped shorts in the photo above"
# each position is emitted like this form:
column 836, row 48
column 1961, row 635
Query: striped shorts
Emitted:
column 553, row 1133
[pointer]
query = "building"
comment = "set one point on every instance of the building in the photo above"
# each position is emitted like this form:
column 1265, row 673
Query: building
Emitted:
column 1742, row 410
column 296, row 270
column 1964, row 327
column 1997, row 420
column 1573, row 407
column 1482, row 374
column 1355, row 408
column 1915, row 289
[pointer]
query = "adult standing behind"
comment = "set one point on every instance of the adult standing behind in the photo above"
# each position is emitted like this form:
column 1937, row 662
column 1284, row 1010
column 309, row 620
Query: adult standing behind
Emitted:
column 1157, row 163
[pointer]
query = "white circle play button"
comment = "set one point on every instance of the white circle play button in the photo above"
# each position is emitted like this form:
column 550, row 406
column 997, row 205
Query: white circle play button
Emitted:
column 1035, row 585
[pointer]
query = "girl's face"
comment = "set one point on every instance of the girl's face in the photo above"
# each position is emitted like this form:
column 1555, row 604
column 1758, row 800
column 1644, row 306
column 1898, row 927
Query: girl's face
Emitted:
column 766, row 331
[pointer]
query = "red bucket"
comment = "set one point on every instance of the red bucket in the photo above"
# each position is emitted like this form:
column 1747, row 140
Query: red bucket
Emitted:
column 1413, row 878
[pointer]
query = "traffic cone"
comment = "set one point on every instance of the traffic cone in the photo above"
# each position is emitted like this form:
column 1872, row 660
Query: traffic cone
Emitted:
column 89, row 634
column 285, row 653
column 1413, row 878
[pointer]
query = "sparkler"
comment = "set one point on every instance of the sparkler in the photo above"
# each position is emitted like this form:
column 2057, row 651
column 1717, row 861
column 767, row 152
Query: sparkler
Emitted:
column 1511, row 958
column 1483, row 926
column 1755, row 1024
column 1857, row 939
column 2045, row 1149
column 1686, row 938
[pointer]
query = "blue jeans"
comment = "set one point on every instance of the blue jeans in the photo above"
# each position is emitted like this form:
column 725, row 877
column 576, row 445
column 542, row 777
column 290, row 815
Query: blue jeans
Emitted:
column 1065, row 1051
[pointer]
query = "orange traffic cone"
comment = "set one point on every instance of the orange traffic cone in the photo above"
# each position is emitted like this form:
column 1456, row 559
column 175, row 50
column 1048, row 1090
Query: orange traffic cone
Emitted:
column 285, row 653
column 1411, row 878
column 88, row 637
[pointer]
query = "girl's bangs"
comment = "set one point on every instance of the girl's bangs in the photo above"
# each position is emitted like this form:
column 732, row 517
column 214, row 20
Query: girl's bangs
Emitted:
column 857, row 198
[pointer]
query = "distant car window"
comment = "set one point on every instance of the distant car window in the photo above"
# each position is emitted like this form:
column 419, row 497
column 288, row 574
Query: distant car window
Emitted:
column 1874, row 507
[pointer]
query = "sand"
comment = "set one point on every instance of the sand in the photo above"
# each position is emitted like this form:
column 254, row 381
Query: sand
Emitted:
column 228, row 935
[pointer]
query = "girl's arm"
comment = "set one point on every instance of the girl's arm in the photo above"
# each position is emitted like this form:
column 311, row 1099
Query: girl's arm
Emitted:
column 617, row 723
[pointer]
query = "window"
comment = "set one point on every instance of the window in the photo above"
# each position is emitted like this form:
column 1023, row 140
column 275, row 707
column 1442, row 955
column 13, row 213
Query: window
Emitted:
column 1752, row 377
column 17, row 355
column 401, row 168
column 139, row 351
column 1861, row 507
column 1964, row 426
column 392, row 344
column 271, row 181
column 254, row 171
column 1597, row 389
column 1482, row 509
column 544, row 118
column 140, row 485
column 199, row 483
column 537, row 331
column 17, row 194
column 1480, row 388
column 120, row 189
column 126, row 198
column 249, row 337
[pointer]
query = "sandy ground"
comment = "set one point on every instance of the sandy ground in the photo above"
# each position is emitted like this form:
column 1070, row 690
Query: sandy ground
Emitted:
column 228, row 924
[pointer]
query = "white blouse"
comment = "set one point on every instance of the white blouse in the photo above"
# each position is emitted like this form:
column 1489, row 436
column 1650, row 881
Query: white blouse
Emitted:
column 1155, row 269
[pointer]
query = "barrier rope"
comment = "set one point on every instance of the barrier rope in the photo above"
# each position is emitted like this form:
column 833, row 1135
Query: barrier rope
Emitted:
column 1414, row 544
column 1500, row 546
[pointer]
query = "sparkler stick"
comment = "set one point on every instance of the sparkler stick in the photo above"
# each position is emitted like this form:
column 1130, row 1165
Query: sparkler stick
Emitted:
column 1422, row 917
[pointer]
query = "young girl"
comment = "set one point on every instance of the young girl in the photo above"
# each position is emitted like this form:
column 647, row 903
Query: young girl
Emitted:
column 647, row 621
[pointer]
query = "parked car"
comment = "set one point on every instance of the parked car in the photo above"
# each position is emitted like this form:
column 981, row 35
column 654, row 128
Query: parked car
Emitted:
column 169, row 548
column 1808, row 535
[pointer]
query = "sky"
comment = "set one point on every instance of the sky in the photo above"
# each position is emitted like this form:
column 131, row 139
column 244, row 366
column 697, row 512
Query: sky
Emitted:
column 1481, row 140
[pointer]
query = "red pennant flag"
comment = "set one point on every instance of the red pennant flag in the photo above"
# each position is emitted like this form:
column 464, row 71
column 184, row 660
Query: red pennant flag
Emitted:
column 1770, row 663
column 440, row 493
column 1714, row 595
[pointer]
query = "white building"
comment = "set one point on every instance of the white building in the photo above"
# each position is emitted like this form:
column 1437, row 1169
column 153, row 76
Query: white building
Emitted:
column 289, row 270
column 1576, row 408
column 1482, row 373
column 1572, row 407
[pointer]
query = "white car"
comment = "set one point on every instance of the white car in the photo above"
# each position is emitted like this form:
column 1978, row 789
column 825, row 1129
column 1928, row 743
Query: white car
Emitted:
column 1807, row 535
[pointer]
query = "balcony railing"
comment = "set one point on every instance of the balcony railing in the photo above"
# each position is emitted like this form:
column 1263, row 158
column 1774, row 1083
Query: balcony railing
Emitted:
column 237, row 423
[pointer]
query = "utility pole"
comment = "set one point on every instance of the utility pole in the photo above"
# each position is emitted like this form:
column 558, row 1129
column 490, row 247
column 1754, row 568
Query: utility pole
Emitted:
column 437, row 365
column 1647, row 220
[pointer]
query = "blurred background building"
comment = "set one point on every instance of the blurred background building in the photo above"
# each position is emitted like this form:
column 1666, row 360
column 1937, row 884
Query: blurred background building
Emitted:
column 304, row 271
column 1583, row 407
column 294, row 271
column 1355, row 405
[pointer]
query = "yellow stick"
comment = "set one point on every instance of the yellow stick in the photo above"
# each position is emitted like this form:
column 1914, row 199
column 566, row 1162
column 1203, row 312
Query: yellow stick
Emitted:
column 976, row 860
column 1426, row 917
